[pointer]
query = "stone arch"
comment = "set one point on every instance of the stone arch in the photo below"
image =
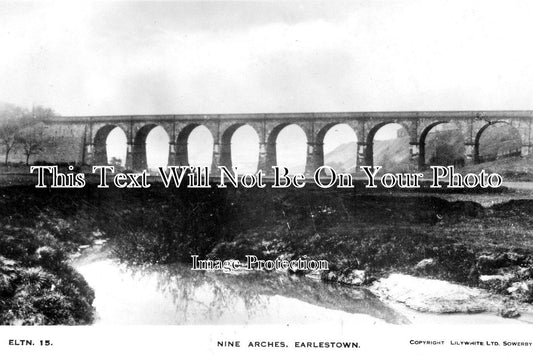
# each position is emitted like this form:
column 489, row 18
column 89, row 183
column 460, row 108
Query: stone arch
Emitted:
column 158, row 148
column 477, row 152
column 369, row 154
column 182, row 143
column 226, row 158
column 271, row 147
column 100, row 143
column 139, row 161
column 320, row 137
column 422, row 142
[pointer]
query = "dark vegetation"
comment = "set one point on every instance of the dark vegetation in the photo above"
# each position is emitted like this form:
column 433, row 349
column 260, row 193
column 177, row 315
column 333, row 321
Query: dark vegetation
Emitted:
column 352, row 230
column 37, row 285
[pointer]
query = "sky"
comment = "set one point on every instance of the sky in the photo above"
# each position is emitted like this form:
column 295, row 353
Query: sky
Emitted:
column 84, row 58
column 102, row 58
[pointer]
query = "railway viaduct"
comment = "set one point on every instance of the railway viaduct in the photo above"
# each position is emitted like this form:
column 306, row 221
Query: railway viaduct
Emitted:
column 83, row 139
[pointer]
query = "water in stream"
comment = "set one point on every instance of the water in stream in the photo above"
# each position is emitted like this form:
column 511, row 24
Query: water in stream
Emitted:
column 175, row 295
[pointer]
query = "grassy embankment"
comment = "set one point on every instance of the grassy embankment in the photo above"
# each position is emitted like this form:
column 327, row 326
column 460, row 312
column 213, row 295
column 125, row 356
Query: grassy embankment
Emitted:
column 37, row 285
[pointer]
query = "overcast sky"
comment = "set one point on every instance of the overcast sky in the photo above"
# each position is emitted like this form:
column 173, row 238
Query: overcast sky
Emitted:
column 218, row 57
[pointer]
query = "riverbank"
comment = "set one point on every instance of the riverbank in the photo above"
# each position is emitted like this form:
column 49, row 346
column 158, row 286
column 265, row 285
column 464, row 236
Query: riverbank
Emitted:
column 38, row 286
column 363, row 237
column 368, row 237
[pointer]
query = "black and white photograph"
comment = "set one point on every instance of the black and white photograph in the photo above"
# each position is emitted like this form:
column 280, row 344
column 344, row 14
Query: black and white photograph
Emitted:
column 266, row 177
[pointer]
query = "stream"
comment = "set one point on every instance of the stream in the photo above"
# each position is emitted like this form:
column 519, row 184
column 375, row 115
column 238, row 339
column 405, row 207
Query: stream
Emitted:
column 175, row 295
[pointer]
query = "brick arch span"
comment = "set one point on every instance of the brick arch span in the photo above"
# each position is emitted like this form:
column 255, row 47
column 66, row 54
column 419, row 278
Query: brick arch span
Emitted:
column 271, row 149
column 423, row 136
column 225, row 142
column 181, row 150
column 369, row 154
column 100, row 142
column 139, row 160
column 509, row 123
column 317, row 158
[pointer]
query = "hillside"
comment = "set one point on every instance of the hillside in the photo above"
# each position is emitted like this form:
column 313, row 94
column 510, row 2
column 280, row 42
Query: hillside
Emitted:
column 343, row 158
column 391, row 154
column 511, row 168
column 444, row 148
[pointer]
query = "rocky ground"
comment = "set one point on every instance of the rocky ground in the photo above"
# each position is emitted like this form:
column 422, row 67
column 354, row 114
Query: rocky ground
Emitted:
column 506, row 290
column 437, row 296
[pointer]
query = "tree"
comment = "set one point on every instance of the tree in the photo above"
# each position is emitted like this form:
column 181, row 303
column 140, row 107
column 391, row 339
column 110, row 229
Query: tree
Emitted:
column 32, row 140
column 15, row 129
column 7, row 138
column 40, row 113
column 12, row 119
column 117, row 163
